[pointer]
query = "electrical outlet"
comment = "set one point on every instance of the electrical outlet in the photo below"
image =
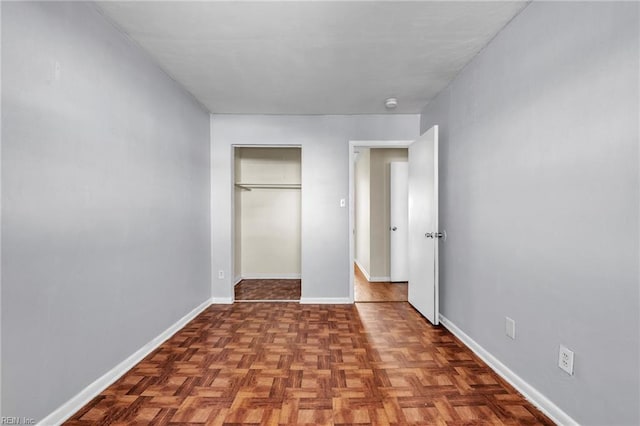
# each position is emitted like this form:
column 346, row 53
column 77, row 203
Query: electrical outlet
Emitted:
column 510, row 327
column 220, row 274
column 565, row 360
column 343, row 202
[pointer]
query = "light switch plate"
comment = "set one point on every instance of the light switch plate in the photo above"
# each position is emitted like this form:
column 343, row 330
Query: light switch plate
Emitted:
column 510, row 327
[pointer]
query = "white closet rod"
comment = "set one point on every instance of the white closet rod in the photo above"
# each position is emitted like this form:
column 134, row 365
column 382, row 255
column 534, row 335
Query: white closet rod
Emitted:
column 250, row 186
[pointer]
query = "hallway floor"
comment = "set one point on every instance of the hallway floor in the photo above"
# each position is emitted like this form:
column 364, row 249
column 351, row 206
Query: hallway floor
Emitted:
column 286, row 363
column 365, row 291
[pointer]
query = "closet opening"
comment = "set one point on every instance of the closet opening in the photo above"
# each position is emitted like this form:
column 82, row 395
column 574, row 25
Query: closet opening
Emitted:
column 267, row 248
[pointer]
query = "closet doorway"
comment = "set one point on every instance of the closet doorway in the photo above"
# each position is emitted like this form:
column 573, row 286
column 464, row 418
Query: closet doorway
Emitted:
column 267, row 191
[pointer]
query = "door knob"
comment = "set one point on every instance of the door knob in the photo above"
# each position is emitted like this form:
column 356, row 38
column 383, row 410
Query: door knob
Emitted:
column 394, row 228
column 434, row 235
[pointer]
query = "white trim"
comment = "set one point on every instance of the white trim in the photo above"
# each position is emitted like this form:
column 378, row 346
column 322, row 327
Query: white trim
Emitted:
column 362, row 269
column 379, row 279
column 237, row 281
column 326, row 300
column 72, row 406
column 534, row 396
column 382, row 143
column 436, row 214
column 270, row 277
column 233, row 206
column 259, row 145
column 0, row 215
column 352, row 145
column 232, row 230
column 222, row 300
column 369, row 277
column 268, row 301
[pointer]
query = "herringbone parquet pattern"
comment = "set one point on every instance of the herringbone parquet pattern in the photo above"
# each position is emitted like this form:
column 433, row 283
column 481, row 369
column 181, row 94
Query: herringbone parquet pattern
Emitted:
column 285, row 363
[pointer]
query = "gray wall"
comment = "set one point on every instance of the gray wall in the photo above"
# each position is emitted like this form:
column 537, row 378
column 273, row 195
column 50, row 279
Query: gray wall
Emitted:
column 539, row 177
column 325, row 180
column 105, row 202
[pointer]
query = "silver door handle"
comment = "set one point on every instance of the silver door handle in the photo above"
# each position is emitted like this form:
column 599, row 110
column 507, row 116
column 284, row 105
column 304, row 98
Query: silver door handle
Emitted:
column 434, row 235
column 394, row 228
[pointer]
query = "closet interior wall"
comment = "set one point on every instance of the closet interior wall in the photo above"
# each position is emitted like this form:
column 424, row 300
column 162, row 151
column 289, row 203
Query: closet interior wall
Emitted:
column 267, row 212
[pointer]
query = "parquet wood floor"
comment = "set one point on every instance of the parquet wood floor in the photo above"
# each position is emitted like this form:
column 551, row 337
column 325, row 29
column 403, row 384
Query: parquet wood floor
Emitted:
column 286, row 363
column 365, row 291
column 279, row 289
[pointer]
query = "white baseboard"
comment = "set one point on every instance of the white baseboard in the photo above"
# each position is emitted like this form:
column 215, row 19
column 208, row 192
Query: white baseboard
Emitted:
column 70, row 407
column 237, row 281
column 222, row 300
column 270, row 277
column 529, row 392
column 369, row 277
column 379, row 279
column 325, row 301
column 363, row 270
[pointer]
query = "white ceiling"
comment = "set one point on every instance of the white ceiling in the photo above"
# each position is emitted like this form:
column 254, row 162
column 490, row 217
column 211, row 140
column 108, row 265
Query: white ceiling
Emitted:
column 312, row 57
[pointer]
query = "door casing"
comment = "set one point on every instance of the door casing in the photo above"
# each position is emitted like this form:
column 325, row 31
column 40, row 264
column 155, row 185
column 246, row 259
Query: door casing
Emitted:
column 233, row 212
column 353, row 144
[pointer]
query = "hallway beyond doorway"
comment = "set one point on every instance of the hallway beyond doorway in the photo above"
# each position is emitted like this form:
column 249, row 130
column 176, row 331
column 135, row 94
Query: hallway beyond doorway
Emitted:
column 365, row 291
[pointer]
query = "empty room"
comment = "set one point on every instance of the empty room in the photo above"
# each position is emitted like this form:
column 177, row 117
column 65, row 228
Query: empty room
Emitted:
column 196, row 195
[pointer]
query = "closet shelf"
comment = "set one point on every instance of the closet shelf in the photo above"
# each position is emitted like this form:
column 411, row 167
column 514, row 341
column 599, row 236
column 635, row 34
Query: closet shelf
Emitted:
column 250, row 186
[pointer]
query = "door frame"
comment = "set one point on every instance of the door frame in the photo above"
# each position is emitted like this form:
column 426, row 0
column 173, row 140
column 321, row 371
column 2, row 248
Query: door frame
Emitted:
column 353, row 144
column 232, row 273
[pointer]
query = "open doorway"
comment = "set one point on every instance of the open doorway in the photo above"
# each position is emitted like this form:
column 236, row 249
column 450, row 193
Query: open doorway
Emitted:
column 423, row 219
column 374, row 236
column 267, row 190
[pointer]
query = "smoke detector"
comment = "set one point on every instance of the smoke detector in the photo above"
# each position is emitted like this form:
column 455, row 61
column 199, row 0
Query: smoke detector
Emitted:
column 391, row 103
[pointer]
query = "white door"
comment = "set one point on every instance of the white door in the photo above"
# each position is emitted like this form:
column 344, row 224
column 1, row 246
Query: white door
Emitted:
column 423, row 224
column 399, row 220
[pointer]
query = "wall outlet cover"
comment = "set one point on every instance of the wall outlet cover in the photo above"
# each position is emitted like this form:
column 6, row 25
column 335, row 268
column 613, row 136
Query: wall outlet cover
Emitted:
column 565, row 360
